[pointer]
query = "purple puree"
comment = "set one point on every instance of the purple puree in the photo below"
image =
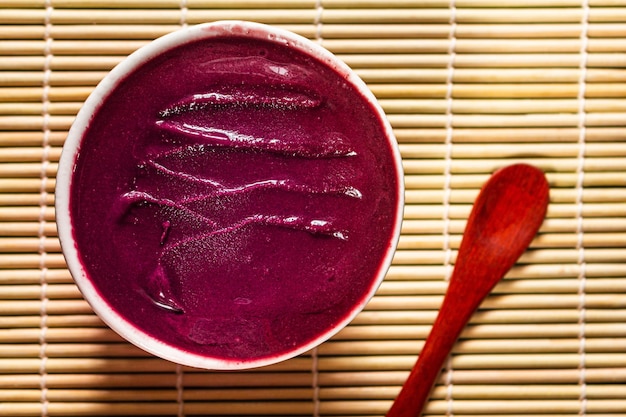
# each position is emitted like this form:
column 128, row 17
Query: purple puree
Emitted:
column 234, row 198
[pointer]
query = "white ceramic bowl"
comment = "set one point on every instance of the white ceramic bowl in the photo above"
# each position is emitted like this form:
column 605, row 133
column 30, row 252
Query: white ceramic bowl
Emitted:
column 72, row 149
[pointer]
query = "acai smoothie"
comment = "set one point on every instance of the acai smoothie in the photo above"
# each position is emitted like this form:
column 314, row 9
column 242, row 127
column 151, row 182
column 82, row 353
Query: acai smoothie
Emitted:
column 234, row 197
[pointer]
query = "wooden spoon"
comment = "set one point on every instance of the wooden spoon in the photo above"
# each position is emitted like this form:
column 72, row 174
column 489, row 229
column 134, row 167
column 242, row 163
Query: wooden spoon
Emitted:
column 506, row 216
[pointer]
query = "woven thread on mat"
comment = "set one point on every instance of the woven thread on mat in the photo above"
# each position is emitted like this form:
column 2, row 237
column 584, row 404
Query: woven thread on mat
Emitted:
column 180, row 386
column 183, row 13
column 43, row 313
column 448, row 186
column 319, row 10
column 582, row 116
column 315, row 382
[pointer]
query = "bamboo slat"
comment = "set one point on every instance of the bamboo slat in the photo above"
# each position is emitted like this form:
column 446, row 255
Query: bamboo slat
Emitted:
column 481, row 391
column 373, row 379
column 308, row 15
column 143, row 364
column 296, row 3
column 540, row 271
column 498, row 408
column 333, row 348
column 505, row 59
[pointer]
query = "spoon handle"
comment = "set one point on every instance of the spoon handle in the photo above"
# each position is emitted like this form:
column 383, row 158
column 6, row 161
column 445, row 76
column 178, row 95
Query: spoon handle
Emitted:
column 416, row 390
column 504, row 219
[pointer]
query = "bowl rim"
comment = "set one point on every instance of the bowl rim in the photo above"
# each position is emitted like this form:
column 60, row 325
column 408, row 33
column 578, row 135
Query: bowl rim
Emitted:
column 72, row 147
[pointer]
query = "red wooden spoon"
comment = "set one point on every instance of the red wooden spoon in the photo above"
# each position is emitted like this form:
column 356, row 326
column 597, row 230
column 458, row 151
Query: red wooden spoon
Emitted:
column 506, row 216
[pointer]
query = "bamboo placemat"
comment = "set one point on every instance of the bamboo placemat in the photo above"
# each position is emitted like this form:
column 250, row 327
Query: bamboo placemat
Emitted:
column 469, row 86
